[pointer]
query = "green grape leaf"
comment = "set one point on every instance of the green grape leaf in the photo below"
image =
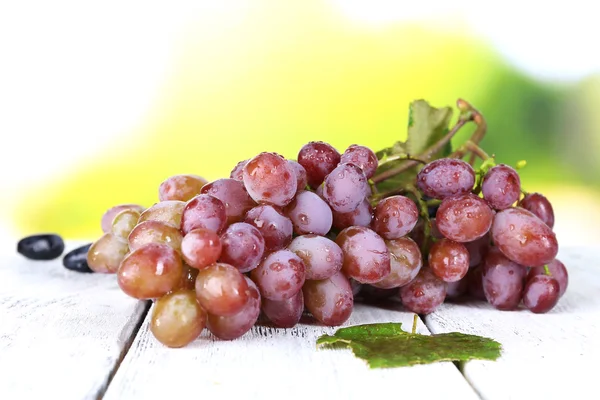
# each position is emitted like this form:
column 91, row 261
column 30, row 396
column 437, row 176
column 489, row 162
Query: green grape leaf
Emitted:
column 386, row 345
column 429, row 125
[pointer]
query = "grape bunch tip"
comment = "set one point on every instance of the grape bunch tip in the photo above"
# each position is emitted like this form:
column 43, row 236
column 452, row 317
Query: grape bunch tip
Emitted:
column 282, row 238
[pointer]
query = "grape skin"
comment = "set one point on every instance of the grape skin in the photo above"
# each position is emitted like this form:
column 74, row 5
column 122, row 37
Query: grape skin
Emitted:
column 237, row 172
column 501, row 186
column 318, row 159
column 395, row 217
column 541, row 293
column 285, row 313
column 405, row 262
column 243, row 246
column 200, row 248
column 446, row 177
column 539, row 205
column 203, row 211
column 558, row 271
column 150, row 272
column 221, row 289
column 169, row 212
column 124, row 222
column 275, row 228
column 270, row 179
column 362, row 157
column 322, row 257
column 362, row 216
column 105, row 254
column 423, row 294
column 300, row 172
column 366, row 257
column 309, row 214
column 449, row 260
column 464, row 218
column 154, row 232
column 110, row 214
column 180, row 187
column 177, row 319
column 523, row 237
column 345, row 188
column 234, row 197
column 502, row 280
column 330, row 301
column 478, row 249
column 280, row 275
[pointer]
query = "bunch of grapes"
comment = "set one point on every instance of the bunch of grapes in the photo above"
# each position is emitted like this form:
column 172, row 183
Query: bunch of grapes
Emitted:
column 282, row 237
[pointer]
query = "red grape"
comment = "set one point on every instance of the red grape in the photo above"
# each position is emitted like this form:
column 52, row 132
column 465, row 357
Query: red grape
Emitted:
column 203, row 211
column 366, row 257
column 285, row 313
column 243, row 246
column 270, row 179
column 300, row 172
column 464, row 218
column 238, row 171
column 395, row 217
column 541, row 293
column 322, row 257
column 502, row 280
column 449, row 260
column 501, row 187
column 423, row 294
column 362, row 216
column 200, row 248
column 221, row 289
column 362, row 157
column 446, row 177
column 330, row 301
column 405, row 261
column 234, row 197
column 558, row 271
column 280, row 275
column 345, row 188
column 318, row 159
column 275, row 228
column 309, row 214
column 540, row 206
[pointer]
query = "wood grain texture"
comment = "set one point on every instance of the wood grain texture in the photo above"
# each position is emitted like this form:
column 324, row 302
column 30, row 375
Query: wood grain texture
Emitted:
column 61, row 332
column 270, row 363
column 545, row 356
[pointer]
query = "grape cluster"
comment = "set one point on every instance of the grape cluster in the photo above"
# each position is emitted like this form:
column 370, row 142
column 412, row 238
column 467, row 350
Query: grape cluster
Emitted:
column 282, row 237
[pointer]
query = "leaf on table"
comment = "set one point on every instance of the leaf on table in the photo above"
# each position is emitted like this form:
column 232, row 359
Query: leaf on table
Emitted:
column 386, row 345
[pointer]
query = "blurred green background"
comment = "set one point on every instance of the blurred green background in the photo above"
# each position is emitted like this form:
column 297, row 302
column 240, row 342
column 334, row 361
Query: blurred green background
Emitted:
column 196, row 88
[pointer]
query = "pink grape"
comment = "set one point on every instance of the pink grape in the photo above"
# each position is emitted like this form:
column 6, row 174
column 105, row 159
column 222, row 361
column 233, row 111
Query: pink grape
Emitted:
column 201, row 247
column 362, row 157
column 309, row 214
column 540, row 206
column 449, row 260
column 280, row 275
column 558, row 271
column 155, row 232
column 395, row 217
column 285, row 313
column 180, row 187
column 243, row 246
column 424, row 294
column 330, row 301
column 501, row 187
column 301, row 177
column 478, row 249
column 464, row 218
column 366, row 257
column 275, row 228
column 362, row 216
column 405, row 262
column 270, row 179
column 203, row 211
column 502, row 280
column 221, row 289
column 318, row 159
column 345, row 188
column 541, row 293
column 234, row 197
column 322, row 257
column 446, row 177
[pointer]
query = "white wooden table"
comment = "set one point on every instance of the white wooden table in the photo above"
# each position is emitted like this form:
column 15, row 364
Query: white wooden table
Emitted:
column 68, row 336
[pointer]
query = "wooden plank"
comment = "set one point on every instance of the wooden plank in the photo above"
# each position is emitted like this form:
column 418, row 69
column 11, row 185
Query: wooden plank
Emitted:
column 62, row 333
column 545, row 356
column 269, row 363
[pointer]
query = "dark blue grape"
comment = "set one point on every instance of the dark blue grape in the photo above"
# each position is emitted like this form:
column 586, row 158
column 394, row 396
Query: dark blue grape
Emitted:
column 76, row 260
column 41, row 247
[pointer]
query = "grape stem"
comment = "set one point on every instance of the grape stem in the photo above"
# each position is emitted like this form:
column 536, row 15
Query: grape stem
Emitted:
column 414, row 327
column 424, row 211
column 547, row 270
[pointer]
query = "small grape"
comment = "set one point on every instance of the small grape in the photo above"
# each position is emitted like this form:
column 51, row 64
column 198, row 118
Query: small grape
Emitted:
column 502, row 280
column 366, row 257
column 558, row 271
column 309, row 214
column 454, row 290
column 109, row 215
column 180, row 187
column 362, row 216
column 234, row 197
column 541, row 293
column 238, row 171
column 322, row 257
column 105, row 254
column 475, row 283
column 285, row 313
column 243, row 246
column 280, row 275
column 203, row 211
column 124, row 222
column 318, row 159
column 478, row 249
column 362, row 157
column 221, row 289
column 155, row 232
column 150, row 272
column 395, row 217
column 177, row 319
column 200, row 248
column 270, row 179
column 169, row 212
column 405, row 262
column 501, row 186
column 275, row 228
column 345, row 188
column 464, row 218
column 423, row 294
column 41, row 247
column 233, row 326
column 449, row 260
column 540, row 206
column 523, row 237
column 330, row 301
column 300, row 172
column 446, row 177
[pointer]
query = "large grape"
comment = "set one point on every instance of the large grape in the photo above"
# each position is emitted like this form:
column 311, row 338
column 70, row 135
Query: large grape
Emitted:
column 300, row 172
column 233, row 326
column 345, row 188
column 169, row 211
column 449, row 260
column 200, row 248
column 464, row 218
column 395, row 217
column 270, row 179
column 541, row 293
column 366, row 257
column 280, row 275
column 423, row 294
column 243, row 246
column 362, row 157
column 180, row 187
column 285, row 313
column 446, row 177
column 155, row 232
column 234, row 197
column 309, row 214
column 501, row 187
column 502, row 280
column 177, row 319
column 105, row 254
column 362, row 216
column 405, row 261
column 221, row 289
column 275, row 228
column 330, row 300
column 318, row 159
column 523, row 237
column 558, row 271
column 203, row 211
column 111, row 213
column 539, row 205
column 150, row 272
column 322, row 257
